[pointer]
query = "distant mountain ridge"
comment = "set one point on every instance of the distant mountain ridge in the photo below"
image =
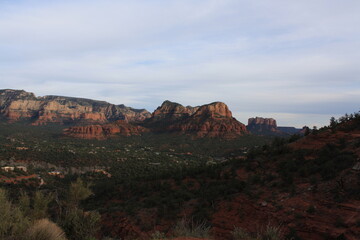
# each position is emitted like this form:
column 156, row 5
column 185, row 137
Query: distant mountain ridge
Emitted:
column 268, row 126
column 95, row 117
column 291, row 130
column 18, row 105
column 210, row 120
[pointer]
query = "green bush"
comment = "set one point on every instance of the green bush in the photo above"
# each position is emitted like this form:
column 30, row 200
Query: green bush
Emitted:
column 40, row 205
column 80, row 225
column 13, row 223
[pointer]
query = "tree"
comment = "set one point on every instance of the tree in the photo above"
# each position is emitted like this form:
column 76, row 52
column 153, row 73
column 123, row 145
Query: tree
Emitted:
column 333, row 122
column 306, row 130
column 78, row 191
column 41, row 204
column 13, row 223
column 314, row 130
column 78, row 224
column 24, row 203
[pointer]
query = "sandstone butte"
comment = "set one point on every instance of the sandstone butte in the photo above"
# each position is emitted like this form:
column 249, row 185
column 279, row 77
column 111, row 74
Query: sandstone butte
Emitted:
column 172, row 111
column 100, row 118
column 210, row 120
column 18, row 105
column 259, row 124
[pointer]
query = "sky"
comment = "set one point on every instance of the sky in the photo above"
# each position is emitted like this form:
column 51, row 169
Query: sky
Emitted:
column 295, row 61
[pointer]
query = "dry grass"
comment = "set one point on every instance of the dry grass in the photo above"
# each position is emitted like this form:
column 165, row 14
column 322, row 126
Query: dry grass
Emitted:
column 44, row 229
column 240, row 234
column 189, row 228
column 268, row 233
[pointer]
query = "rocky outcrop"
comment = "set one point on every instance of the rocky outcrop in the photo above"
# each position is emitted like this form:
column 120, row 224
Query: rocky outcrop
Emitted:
column 266, row 126
column 171, row 111
column 102, row 118
column 211, row 120
column 98, row 131
column 260, row 124
column 20, row 105
column 215, row 110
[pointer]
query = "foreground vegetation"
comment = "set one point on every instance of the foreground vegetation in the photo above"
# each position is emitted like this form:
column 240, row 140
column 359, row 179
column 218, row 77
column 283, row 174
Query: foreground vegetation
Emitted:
column 32, row 216
column 163, row 186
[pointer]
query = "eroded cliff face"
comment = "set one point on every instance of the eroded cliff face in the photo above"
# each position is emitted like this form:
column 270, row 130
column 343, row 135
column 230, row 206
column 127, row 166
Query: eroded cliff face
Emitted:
column 98, row 131
column 262, row 121
column 214, row 110
column 210, row 120
column 171, row 111
column 262, row 125
column 20, row 105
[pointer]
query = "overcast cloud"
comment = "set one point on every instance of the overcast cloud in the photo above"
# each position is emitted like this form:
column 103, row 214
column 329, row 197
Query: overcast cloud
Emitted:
column 296, row 61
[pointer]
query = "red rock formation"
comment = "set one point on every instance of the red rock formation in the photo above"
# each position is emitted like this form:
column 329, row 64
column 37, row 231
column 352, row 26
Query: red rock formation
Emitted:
column 211, row 120
column 172, row 111
column 214, row 110
column 103, row 131
column 225, row 128
column 16, row 105
column 262, row 125
column 262, row 121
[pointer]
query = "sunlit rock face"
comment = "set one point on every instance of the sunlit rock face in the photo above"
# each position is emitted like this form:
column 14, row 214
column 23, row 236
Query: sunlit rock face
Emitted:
column 210, row 120
column 18, row 105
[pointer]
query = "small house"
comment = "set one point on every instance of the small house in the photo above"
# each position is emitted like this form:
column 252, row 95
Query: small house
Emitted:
column 54, row 173
column 102, row 171
column 22, row 168
column 7, row 168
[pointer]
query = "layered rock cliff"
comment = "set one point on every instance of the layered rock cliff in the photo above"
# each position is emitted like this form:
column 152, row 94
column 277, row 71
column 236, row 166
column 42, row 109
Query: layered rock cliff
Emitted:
column 103, row 131
column 268, row 126
column 20, row 105
column 211, row 120
column 262, row 125
column 171, row 111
